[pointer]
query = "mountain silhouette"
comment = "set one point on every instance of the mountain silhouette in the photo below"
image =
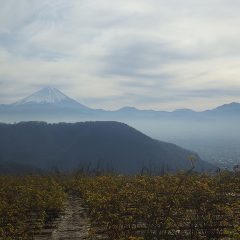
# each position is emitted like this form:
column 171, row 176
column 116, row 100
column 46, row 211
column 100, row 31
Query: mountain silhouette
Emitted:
column 105, row 146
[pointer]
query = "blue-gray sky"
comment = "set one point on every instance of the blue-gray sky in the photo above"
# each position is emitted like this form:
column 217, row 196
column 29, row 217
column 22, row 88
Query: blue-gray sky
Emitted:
column 158, row 54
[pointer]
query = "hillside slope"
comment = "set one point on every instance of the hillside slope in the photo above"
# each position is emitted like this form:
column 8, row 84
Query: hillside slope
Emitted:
column 90, row 145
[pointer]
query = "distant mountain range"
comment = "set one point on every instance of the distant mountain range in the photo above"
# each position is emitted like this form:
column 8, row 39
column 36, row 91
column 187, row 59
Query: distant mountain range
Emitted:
column 90, row 146
column 50, row 104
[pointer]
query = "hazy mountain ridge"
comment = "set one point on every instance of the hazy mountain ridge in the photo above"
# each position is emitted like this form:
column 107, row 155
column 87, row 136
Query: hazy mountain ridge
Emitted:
column 53, row 99
column 195, row 130
column 50, row 104
column 93, row 145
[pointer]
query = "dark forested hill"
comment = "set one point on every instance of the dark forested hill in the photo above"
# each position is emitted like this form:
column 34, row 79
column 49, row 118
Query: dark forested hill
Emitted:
column 14, row 168
column 90, row 145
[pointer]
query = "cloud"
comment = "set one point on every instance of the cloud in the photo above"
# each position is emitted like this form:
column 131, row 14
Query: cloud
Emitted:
column 160, row 54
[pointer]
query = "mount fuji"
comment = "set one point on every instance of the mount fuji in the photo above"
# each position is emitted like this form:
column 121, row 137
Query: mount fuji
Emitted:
column 49, row 96
column 47, row 104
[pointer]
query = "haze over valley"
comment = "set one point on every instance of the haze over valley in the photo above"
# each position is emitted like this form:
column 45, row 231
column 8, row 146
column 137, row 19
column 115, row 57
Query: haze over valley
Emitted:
column 211, row 133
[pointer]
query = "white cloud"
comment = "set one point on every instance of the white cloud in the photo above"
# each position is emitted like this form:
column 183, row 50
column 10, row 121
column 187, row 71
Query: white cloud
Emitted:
column 161, row 54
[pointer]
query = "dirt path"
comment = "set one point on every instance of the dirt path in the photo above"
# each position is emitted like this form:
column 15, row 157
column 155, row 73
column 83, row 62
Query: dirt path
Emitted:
column 73, row 224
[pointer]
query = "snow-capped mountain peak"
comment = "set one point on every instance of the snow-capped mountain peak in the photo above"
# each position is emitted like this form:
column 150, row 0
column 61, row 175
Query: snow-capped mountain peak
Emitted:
column 49, row 95
column 45, row 95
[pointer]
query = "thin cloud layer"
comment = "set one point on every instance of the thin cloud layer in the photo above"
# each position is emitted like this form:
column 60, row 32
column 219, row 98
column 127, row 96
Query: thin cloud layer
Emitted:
column 107, row 54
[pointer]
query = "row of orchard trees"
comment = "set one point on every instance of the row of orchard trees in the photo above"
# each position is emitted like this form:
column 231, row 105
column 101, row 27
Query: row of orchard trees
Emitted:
column 26, row 204
column 182, row 206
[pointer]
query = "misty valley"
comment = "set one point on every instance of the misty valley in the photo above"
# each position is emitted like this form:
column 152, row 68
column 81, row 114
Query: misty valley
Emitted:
column 212, row 133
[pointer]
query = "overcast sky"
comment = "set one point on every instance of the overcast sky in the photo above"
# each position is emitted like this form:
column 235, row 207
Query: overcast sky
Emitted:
column 158, row 54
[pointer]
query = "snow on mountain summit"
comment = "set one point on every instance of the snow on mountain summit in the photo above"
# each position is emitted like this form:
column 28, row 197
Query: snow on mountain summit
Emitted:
column 48, row 95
